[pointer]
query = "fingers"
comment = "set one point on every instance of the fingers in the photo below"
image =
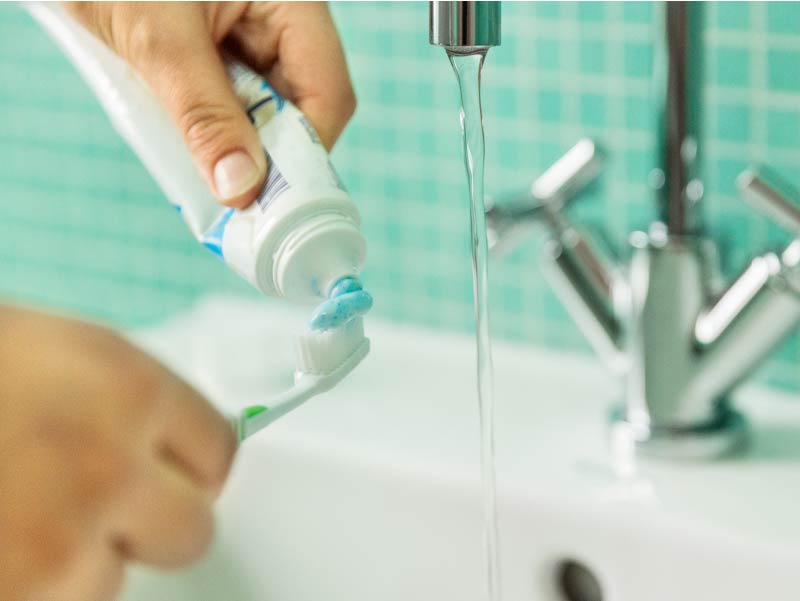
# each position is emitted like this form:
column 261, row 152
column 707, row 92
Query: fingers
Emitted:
column 309, row 66
column 172, row 48
column 195, row 437
column 167, row 521
column 316, row 66
column 191, row 81
column 120, row 463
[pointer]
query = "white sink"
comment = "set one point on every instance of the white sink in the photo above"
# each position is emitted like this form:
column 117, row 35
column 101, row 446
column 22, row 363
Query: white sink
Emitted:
column 371, row 492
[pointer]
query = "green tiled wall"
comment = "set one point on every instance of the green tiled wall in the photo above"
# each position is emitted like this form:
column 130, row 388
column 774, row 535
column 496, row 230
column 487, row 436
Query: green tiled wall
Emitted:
column 83, row 227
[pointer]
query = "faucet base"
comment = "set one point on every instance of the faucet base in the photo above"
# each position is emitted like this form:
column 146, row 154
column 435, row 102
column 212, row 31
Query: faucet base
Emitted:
column 724, row 436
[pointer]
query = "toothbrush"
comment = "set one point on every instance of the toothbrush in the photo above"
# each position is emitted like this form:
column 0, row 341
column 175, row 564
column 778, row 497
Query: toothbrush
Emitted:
column 322, row 359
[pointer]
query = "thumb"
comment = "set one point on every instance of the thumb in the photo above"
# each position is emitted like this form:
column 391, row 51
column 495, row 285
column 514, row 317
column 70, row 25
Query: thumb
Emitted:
column 189, row 78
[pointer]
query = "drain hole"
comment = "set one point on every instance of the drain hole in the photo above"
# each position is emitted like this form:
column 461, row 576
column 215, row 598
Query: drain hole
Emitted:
column 577, row 582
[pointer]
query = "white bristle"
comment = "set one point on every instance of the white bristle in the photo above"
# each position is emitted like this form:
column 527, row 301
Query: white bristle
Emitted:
column 322, row 352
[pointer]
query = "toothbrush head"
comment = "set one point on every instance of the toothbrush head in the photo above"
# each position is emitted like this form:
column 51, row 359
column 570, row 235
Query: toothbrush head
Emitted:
column 323, row 358
column 329, row 355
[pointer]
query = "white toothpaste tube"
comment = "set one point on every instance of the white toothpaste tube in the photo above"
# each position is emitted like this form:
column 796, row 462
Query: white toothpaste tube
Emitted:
column 300, row 237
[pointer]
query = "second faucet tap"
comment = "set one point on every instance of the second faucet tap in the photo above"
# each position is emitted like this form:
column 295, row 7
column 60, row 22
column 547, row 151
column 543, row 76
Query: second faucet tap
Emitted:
column 682, row 343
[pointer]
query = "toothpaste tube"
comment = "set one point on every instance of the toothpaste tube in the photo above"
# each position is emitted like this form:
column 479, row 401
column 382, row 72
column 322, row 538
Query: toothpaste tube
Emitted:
column 302, row 234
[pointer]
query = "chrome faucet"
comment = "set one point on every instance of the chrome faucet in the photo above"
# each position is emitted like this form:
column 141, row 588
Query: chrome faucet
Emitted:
column 663, row 321
column 465, row 27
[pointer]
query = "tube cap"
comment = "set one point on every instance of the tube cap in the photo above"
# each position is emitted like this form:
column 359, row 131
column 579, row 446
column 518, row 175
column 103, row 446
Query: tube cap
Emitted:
column 317, row 254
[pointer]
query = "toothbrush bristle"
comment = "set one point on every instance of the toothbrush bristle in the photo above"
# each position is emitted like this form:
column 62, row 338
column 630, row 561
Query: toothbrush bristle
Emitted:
column 322, row 352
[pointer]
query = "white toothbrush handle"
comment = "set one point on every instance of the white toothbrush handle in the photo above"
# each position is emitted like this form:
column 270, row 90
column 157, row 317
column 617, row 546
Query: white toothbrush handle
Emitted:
column 247, row 423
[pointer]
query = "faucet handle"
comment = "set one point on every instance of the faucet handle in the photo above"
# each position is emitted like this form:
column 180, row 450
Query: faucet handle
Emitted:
column 561, row 182
column 569, row 175
column 769, row 195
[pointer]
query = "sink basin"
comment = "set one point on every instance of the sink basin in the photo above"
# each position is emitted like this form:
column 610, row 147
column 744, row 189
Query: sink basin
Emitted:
column 372, row 491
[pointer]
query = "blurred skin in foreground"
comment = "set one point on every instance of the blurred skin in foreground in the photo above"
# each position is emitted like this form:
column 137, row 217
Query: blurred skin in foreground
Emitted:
column 106, row 457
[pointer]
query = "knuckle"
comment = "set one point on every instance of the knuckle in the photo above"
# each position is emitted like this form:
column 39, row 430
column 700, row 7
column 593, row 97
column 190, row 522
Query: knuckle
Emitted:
column 83, row 11
column 93, row 16
column 348, row 101
column 222, row 455
column 206, row 128
column 142, row 40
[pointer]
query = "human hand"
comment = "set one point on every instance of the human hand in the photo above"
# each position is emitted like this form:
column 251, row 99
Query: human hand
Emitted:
column 106, row 457
column 175, row 47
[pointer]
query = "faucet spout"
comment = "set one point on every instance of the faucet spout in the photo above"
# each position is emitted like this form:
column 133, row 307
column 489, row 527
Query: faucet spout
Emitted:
column 465, row 27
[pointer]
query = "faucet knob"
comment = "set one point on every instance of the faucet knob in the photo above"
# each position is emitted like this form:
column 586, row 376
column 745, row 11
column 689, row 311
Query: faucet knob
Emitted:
column 769, row 196
column 549, row 193
column 569, row 175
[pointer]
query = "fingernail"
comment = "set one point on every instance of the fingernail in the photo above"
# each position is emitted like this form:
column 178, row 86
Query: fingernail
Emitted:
column 235, row 174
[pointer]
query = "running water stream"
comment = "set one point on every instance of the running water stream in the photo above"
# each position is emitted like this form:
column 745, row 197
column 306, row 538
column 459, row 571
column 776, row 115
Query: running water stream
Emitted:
column 468, row 71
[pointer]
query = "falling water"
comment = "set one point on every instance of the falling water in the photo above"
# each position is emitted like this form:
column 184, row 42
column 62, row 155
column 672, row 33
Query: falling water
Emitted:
column 468, row 72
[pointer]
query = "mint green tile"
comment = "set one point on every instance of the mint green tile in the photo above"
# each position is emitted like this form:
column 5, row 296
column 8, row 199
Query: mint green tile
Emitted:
column 639, row 113
column 593, row 110
column 512, row 153
column 637, row 165
column 505, row 54
column 733, row 15
column 591, row 12
column 548, row 55
column 733, row 122
column 783, row 68
column 638, row 59
column 641, row 209
column 505, row 101
column 783, row 17
column 548, row 9
column 637, row 12
column 387, row 90
column 550, row 103
column 783, row 128
column 730, row 66
column 592, row 56
column 392, row 233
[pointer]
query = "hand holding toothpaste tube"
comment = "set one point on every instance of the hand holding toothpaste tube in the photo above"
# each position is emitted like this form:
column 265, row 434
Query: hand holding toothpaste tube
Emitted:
column 176, row 48
column 281, row 95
